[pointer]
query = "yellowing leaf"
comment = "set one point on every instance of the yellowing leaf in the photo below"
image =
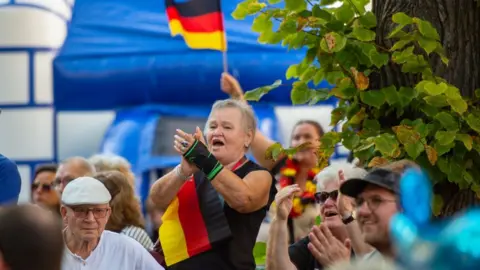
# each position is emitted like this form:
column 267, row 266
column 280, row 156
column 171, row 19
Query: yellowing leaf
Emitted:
column 431, row 154
column 377, row 162
column 361, row 81
column 466, row 139
column 273, row 151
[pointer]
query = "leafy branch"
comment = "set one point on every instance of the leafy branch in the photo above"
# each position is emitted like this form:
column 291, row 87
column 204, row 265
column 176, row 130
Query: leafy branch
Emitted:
column 430, row 123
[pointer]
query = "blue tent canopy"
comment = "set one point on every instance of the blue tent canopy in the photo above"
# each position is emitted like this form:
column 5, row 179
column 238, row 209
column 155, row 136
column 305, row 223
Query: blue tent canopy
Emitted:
column 119, row 53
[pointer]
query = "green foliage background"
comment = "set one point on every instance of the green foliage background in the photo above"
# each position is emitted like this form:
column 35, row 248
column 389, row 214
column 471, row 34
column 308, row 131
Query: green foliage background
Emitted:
column 436, row 126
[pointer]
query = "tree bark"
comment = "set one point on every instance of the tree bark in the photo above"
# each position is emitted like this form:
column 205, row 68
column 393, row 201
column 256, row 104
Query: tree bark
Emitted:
column 458, row 24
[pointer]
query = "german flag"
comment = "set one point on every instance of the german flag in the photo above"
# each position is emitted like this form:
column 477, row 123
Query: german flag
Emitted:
column 200, row 22
column 193, row 222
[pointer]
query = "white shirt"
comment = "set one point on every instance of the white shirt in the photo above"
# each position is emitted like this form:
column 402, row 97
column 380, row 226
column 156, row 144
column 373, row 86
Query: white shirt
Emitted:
column 114, row 251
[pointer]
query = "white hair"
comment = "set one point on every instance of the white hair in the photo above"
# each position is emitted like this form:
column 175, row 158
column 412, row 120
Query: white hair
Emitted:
column 330, row 174
column 248, row 116
column 83, row 162
column 109, row 162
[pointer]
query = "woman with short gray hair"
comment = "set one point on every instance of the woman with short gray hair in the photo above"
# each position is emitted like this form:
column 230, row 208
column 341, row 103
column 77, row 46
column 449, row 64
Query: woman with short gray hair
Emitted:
column 215, row 199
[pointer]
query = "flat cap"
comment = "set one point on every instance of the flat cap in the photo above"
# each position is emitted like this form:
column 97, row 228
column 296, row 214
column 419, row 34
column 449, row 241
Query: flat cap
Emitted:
column 85, row 191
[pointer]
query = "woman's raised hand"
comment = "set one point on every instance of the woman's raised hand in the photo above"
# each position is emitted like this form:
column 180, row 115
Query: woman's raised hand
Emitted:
column 231, row 86
column 199, row 135
column 182, row 142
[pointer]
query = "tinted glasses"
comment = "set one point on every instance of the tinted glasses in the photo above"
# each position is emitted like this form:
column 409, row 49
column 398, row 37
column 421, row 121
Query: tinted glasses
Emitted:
column 82, row 212
column 322, row 197
column 42, row 187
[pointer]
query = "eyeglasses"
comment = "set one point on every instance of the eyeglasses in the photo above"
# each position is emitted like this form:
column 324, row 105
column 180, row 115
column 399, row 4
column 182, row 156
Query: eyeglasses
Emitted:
column 43, row 187
column 82, row 212
column 322, row 197
column 373, row 202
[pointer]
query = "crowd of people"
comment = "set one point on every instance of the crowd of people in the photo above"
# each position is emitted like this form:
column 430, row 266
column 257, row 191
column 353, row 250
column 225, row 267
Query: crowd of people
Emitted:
column 209, row 211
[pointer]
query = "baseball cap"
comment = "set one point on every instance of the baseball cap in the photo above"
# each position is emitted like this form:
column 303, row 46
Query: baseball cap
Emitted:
column 10, row 181
column 380, row 177
column 85, row 190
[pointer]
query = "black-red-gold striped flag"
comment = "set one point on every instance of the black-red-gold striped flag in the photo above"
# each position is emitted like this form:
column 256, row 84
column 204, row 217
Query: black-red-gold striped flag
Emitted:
column 200, row 22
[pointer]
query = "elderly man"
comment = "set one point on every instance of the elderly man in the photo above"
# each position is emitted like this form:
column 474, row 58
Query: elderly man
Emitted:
column 85, row 210
column 30, row 238
column 70, row 169
column 10, row 181
column 326, row 244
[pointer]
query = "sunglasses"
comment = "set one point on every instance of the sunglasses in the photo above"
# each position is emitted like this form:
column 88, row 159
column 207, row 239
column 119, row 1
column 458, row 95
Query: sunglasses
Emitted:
column 322, row 197
column 43, row 187
column 82, row 212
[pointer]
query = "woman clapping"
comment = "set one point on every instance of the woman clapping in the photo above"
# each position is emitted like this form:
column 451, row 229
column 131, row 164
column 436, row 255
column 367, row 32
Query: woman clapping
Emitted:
column 216, row 199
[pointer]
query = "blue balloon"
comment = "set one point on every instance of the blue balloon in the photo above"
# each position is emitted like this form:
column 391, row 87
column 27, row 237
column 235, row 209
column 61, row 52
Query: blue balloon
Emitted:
column 416, row 195
column 424, row 245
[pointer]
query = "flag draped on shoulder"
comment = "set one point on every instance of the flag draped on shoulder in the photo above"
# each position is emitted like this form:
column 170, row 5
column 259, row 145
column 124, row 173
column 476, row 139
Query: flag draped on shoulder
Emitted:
column 200, row 22
column 193, row 222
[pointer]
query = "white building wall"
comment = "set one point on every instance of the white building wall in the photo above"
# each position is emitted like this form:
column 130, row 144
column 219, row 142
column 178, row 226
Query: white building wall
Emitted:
column 31, row 31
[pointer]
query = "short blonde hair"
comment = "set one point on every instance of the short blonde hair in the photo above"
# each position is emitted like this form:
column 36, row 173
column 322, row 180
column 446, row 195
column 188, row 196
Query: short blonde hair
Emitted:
column 248, row 116
column 330, row 174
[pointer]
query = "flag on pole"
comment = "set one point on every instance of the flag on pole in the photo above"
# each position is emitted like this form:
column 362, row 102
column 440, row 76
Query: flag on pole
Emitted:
column 200, row 22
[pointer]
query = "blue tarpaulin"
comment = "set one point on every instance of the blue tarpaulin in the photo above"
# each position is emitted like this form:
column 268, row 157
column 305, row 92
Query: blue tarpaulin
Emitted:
column 119, row 53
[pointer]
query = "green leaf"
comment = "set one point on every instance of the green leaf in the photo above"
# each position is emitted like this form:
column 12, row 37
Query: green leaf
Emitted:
column 445, row 137
column 300, row 93
column 414, row 149
column 295, row 5
column 406, row 95
column 319, row 95
column 371, row 124
column 435, row 89
column 378, row 59
column 270, row 37
column 321, row 13
column 333, row 76
column 466, row 139
column 291, row 72
column 242, row 10
column 350, row 140
column 288, row 26
column 402, row 18
column 391, row 94
column 330, row 139
column 373, row 98
column 368, row 20
column 319, row 76
column 441, row 52
column 327, row 2
column 443, row 149
column 447, row 121
column 363, row 34
column 474, row 122
column 261, row 23
column 406, row 134
column 333, row 42
column 387, row 145
column 428, row 45
column 257, row 93
column 337, row 115
column 458, row 105
column 397, row 32
column 400, row 44
column 426, row 29
column 436, row 101
column 477, row 93
column 274, row 151
column 273, row 2
column 344, row 13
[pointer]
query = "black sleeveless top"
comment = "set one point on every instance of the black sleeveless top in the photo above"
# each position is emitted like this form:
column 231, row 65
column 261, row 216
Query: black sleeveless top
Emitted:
column 236, row 253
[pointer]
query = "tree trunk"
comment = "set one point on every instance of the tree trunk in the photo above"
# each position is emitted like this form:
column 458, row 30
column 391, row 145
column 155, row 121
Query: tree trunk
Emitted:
column 458, row 24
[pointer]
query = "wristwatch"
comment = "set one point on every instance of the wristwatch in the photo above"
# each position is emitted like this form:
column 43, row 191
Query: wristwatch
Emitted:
column 349, row 218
